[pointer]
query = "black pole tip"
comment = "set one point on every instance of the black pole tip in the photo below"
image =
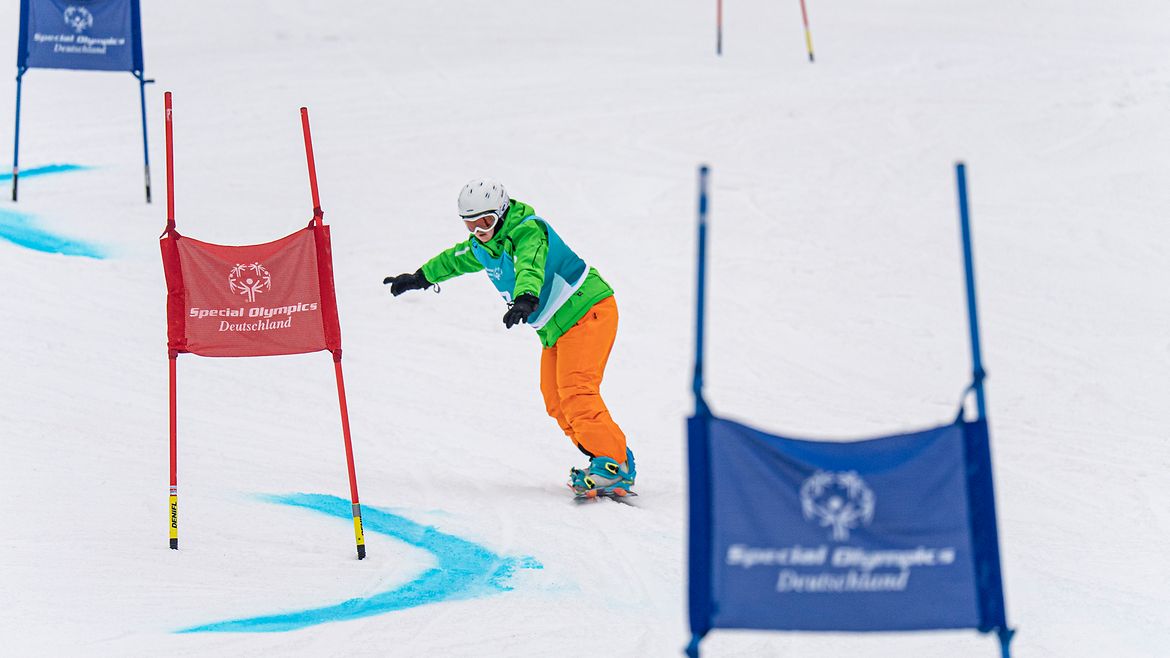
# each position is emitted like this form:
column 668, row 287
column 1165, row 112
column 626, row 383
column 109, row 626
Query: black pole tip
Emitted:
column 175, row 544
column 361, row 551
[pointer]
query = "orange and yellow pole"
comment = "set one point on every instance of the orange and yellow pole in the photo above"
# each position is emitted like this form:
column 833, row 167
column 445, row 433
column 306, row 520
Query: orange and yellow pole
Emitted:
column 807, row 32
column 318, row 215
column 174, row 356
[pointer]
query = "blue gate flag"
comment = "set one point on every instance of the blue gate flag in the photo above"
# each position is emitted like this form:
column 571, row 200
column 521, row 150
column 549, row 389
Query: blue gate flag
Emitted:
column 92, row 35
column 892, row 533
column 102, row 35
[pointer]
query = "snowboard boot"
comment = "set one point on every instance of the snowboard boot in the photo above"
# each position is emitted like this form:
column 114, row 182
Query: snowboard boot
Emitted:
column 604, row 476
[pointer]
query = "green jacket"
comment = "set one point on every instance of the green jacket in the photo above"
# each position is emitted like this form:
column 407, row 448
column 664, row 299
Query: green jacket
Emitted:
column 526, row 245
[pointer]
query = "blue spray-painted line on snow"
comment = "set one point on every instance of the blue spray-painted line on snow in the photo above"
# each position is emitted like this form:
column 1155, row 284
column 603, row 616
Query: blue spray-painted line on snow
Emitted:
column 21, row 229
column 47, row 169
column 465, row 570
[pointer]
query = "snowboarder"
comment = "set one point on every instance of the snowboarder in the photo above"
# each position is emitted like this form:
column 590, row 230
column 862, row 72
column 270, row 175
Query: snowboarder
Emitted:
column 549, row 287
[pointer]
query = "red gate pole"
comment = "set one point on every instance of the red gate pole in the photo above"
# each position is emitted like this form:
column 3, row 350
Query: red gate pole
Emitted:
column 174, row 358
column 353, row 492
column 807, row 33
column 317, row 213
column 174, row 355
column 318, row 216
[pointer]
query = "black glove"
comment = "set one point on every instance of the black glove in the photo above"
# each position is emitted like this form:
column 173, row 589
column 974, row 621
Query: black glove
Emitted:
column 521, row 308
column 403, row 282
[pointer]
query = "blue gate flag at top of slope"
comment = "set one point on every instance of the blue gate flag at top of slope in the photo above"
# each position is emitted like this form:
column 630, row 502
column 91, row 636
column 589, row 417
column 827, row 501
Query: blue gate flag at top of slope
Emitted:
column 892, row 533
column 103, row 35
column 91, row 35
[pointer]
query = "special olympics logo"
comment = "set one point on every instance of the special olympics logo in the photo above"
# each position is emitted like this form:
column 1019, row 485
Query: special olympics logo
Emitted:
column 78, row 18
column 249, row 280
column 839, row 501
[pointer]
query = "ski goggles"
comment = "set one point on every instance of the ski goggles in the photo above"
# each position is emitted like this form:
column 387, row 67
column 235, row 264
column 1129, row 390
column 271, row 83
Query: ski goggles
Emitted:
column 482, row 223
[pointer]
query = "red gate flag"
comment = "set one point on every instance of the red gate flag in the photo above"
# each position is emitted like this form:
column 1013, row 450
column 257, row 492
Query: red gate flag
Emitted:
column 254, row 300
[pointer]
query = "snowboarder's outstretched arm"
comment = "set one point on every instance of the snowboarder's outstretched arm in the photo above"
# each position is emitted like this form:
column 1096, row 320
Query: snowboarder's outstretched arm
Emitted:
column 450, row 263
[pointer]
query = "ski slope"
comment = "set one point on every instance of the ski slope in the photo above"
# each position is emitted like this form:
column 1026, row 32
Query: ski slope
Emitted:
column 836, row 310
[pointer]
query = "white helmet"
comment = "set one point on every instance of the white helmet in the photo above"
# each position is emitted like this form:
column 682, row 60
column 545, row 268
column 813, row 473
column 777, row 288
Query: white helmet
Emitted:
column 481, row 196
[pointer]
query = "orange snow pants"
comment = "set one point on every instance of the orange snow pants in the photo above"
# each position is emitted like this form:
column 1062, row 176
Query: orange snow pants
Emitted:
column 570, row 381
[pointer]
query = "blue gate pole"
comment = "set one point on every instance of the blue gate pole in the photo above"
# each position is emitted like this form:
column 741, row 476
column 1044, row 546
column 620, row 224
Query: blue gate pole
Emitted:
column 16, row 140
column 142, row 82
column 1003, row 632
column 698, row 458
column 700, row 301
column 719, row 27
column 972, row 314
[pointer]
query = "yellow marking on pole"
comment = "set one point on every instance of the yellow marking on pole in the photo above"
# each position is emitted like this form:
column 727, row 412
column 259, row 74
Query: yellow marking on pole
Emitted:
column 357, row 525
column 174, row 516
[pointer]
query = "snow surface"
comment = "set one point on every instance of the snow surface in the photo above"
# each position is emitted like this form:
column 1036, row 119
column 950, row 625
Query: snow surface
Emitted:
column 836, row 309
